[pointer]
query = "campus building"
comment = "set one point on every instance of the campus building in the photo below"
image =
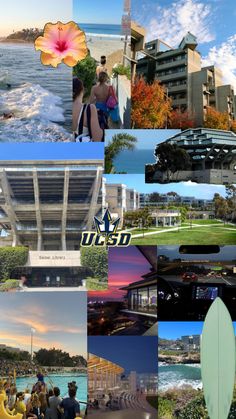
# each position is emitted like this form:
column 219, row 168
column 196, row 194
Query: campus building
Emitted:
column 104, row 376
column 142, row 295
column 119, row 199
column 45, row 205
column 212, row 153
column 191, row 342
column 191, row 87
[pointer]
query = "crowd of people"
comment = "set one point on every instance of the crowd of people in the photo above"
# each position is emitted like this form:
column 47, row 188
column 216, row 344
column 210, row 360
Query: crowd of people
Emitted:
column 90, row 119
column 41, row 402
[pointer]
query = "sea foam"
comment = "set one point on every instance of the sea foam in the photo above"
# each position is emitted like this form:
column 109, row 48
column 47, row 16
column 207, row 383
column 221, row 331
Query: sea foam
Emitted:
column 37, row 115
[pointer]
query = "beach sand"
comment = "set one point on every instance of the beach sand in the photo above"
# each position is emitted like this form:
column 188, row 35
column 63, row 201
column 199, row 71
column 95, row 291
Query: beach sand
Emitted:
column 112, row 48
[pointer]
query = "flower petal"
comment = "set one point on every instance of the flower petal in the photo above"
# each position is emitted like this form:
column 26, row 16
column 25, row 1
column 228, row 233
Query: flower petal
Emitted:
column 49, row 59
column 70, row 61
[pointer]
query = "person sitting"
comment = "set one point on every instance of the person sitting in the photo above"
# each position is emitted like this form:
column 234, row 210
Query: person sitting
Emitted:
column 85, row 123
column 69, row 406
column 54, row 403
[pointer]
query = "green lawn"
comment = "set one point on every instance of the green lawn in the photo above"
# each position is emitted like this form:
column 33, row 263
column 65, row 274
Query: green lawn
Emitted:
column 201, row 235
column 203, row 222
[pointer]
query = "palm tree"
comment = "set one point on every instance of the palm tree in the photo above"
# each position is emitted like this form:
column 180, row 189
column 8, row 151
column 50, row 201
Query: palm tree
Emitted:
column 119, row 142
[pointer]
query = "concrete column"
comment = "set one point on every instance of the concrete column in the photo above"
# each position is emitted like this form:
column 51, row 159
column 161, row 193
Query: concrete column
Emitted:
column 9, row 208
column 37, row 209
column 95, row 193
column 65, row 207
column 170, row 221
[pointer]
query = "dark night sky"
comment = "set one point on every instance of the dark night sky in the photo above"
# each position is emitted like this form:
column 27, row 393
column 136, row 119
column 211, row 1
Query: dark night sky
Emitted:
column 133, row 353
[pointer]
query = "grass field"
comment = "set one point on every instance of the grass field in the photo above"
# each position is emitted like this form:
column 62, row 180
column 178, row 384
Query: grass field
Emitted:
column 204, row 232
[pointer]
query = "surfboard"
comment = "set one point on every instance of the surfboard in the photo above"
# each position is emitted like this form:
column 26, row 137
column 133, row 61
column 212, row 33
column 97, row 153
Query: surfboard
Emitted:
column 218, row 359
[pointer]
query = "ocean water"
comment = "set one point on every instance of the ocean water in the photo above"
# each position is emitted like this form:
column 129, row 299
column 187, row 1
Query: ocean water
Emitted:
column 40, row 97
column 170, row 376
column 133, row 161
column 60, row 381
column 101, row 29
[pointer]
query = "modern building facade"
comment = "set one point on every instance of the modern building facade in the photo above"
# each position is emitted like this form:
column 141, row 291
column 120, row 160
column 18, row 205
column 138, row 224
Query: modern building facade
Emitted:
column 191, row 87
column 45, row 205
column 142, row 295
column 119, row 199
column 212, row 153
column 102, row 374
column 191, row 342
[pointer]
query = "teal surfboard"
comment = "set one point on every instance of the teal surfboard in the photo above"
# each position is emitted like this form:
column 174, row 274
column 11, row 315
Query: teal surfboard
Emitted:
column 218, row 360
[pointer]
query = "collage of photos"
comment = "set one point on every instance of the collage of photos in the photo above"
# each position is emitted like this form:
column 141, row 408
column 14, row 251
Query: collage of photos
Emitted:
column 118, row 209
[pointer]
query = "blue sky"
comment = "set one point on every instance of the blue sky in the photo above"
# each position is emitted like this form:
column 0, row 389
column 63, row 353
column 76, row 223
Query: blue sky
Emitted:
column 56, row 320
column 16, row 15
column 137, row 182
column 212, row 21
column 174, row 330
column 49, row 151
column 98, row 11
column 147, row 138
column 139, row 352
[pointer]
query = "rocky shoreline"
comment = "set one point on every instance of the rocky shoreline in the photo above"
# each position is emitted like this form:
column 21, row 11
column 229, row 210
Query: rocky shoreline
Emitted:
column 184, row 358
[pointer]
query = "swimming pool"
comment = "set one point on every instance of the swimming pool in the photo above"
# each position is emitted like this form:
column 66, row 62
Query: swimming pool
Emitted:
column 60, row 381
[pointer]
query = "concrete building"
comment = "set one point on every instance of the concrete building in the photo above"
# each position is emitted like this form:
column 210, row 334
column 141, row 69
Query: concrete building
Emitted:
column 138, row 34
column 191, row 342
column 166, row 218
column 212, row 153
column 119, row 199
column 191, row 87
column 45, row 205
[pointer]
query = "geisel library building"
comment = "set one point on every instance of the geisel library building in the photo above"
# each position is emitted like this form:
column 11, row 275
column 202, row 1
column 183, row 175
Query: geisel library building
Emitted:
column 45, row 205
column 212, row 157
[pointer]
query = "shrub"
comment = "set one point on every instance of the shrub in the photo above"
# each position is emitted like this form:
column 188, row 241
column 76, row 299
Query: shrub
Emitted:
column 10, row 284
column 165, row 408
column 96, row 284
column 122, row 71
column 96, row 259
column 11, row 258
column 195, row 410
column 85, row 70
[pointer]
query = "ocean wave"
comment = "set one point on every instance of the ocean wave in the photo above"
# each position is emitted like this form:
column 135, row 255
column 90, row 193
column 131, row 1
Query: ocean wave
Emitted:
column 196, row 384
column 105, row 35
column 33, row 101
column 37, row 115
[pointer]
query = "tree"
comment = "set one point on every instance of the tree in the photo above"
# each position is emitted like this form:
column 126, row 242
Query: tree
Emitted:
column 85, row 70
column 216, row 120
column 119, row 142
column 181, row 120
column 96, row 259
column 151, row 107
column 171, row 158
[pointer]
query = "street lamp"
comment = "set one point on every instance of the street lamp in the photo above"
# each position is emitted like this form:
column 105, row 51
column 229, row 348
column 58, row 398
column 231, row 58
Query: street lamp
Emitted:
column 32, row 331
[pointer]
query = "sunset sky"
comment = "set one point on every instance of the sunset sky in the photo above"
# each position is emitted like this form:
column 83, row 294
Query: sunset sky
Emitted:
column 125, row 265
column 59, row 320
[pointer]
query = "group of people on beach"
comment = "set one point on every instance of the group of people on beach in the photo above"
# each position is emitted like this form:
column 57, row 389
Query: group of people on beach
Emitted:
column 40, row 402
column 90, row 119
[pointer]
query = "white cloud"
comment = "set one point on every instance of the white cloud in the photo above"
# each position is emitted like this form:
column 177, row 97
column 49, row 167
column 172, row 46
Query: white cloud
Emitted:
column 224, row 57
column 173, row 22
